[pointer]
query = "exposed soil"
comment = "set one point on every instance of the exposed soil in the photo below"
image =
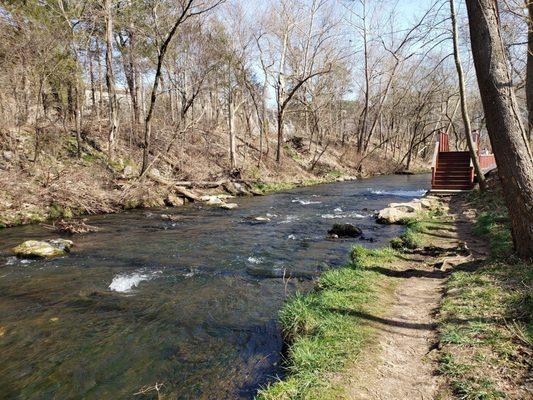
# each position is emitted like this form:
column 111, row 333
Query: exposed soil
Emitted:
column 403, row 361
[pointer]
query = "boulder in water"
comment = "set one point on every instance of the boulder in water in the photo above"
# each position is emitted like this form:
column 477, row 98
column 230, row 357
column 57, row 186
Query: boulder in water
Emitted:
column 43, row 249
column 412, row 206
column 344, row 231
column 391, row 215
column 257, row 219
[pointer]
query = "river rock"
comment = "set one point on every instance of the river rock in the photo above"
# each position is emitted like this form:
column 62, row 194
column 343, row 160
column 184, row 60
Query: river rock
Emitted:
column 391, row 215
column 229, row 206
column 429, row 202
column 235, row 189
column 344, row 231
column 170, row 217
column 43, row 249
column 412, row 206
column 258, row 219
column 211, row 200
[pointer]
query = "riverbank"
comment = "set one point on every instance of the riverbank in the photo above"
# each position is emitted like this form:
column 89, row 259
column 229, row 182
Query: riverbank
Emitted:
column 55, row 183
column 436, row 316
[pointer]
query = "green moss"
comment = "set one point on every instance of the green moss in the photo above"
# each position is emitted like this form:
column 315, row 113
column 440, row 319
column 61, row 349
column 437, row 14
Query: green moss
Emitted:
column 334, row 174
column 57, row 211
column 89, row 158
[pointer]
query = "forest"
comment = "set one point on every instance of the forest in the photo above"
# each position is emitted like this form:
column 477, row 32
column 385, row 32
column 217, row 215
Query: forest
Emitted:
column 95, row 94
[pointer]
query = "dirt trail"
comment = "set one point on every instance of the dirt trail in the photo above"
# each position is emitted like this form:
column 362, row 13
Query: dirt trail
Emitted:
column 403, row 364
column 403, row 367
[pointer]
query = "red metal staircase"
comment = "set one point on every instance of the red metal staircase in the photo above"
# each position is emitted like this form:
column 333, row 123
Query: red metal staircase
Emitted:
column 452, row 170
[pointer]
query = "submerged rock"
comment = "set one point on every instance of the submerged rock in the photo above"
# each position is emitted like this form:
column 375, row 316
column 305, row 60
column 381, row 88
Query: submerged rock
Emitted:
column 257, row 219
column 344, row 231
column 43, row 249
column 229, row 206
column 170, row 217
column 278, row 272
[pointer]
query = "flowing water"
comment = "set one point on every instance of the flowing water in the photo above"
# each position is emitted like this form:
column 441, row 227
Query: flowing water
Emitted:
column 190, row 303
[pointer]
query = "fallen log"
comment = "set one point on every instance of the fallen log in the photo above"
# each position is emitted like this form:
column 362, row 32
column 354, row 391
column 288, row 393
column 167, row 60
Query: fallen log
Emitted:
column 187, row 193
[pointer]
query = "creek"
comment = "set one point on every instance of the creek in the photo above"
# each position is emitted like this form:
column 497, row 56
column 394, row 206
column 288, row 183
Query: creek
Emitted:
column 191, row 303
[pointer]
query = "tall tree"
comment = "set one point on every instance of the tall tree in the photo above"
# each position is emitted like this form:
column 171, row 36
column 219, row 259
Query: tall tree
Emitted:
column 187, row 9
column 462, row 94
column 110, row 80
column 529, row 69
column 506, row 131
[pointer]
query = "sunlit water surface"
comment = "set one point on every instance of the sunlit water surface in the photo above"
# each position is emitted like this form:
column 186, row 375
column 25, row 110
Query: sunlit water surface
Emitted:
column 191, row 304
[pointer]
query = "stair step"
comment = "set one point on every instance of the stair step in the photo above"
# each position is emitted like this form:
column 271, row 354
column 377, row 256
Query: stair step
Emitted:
column 456, row 181
column 454, row 157
column 453, row 178
column 452, row 182
column 453, row 187
column 464, row 171
column 452, row 173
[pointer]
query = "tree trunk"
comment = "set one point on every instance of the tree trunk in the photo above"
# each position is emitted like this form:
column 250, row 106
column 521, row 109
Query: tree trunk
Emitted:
column 505, row 128
column 110, row 81
column 155, row 86
column 529, row 77
column 280, row 136
column 464, row 108
column 231, row 122
column 100, row 88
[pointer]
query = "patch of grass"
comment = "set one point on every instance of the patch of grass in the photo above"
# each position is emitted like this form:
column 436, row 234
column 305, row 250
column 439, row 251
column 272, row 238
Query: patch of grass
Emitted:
column 334, row 174
column 479, row 388
column 271, row 187
column 417, row 230
column 326, row 328
column 486, row 318
column 495, row 226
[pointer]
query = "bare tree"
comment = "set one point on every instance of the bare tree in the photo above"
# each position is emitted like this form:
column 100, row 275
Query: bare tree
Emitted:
column 187, row 9
column 462, row 96
column 110, row 80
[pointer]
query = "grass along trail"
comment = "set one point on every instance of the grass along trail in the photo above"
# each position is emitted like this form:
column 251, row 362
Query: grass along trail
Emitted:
column 403, row 366
column 406, row 356
column 437, row 315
